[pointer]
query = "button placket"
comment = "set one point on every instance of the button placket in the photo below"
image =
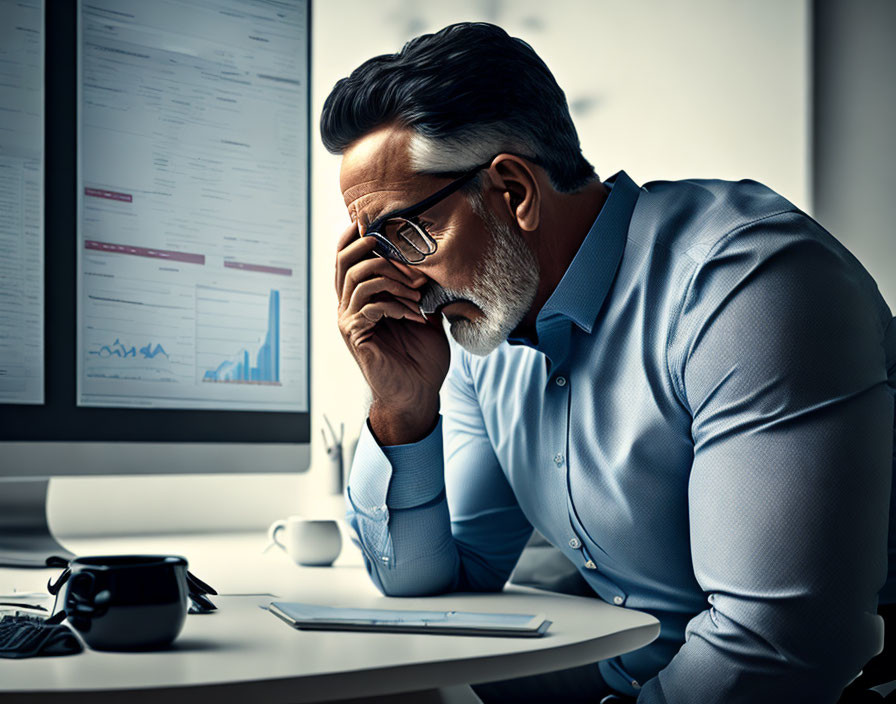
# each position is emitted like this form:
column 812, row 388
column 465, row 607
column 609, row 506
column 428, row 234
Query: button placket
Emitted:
column 562, row 399
column 589, row 562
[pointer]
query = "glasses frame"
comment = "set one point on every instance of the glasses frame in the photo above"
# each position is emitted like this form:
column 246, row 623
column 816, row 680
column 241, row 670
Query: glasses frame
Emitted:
column 387, row 250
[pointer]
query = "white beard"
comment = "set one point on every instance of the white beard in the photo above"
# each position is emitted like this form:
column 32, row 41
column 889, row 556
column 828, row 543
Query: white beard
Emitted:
column 503, row 289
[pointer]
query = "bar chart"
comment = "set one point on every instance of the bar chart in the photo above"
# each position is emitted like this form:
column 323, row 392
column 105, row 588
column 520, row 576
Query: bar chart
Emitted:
column 266, row 370
column 258, row 361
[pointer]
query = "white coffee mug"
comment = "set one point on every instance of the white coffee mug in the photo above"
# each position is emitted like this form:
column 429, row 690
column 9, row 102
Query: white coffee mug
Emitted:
column 308, row 541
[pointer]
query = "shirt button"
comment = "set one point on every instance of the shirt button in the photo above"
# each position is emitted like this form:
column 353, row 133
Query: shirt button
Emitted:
column 617, row 600
column 590, row 565
column 575, row 543
column 636, row 684
column 560, row 381
column 558, row 459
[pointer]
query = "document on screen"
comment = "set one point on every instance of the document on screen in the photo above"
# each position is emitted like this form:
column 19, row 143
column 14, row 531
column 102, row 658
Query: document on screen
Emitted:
column 21, row 201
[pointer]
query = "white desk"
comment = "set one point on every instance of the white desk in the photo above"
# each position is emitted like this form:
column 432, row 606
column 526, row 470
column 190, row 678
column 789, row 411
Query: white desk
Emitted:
column 240, row 653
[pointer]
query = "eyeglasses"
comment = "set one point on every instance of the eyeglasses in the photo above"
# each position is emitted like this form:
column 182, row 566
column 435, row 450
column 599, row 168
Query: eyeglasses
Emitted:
column 400, row 237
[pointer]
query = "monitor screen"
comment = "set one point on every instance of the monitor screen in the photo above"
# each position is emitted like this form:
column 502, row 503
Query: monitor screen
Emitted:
column 192, row 205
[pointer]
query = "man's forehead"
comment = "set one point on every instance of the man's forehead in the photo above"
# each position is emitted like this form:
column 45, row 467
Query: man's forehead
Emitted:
column 378, row 162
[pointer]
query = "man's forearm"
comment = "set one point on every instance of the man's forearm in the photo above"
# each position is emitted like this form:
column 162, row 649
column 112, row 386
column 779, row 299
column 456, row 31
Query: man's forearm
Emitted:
column 397, row 507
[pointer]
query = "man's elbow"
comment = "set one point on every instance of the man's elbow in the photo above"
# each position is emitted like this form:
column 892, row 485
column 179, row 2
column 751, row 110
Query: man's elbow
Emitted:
column 398, row 582
column 820, row 647
column 412, row 583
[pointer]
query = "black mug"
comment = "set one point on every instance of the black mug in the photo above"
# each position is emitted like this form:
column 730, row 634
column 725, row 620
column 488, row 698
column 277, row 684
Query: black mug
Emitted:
column 126, row 602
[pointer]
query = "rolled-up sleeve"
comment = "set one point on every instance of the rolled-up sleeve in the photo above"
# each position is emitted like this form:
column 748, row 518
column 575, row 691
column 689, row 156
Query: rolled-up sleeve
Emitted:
column 782, row 367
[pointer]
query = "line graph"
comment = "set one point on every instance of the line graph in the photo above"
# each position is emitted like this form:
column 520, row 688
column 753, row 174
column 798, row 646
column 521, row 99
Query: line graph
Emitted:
column 122, row 351
column 138, row 331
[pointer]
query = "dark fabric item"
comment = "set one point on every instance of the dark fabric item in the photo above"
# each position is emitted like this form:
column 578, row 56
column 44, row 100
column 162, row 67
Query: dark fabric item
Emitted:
column 578, row 684
column 27, row 636
column 881, row 669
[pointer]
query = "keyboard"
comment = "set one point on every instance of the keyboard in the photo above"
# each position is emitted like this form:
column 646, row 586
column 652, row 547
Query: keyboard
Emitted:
column 24, row 636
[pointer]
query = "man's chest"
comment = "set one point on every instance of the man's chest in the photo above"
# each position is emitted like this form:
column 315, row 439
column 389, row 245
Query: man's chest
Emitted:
column 596, row 450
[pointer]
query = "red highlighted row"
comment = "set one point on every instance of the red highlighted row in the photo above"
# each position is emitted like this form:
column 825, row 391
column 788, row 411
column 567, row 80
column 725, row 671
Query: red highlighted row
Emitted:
column 109, row 195
column 188, row 257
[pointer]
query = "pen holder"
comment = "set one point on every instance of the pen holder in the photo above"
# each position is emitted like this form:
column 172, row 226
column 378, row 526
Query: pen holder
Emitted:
column 335, row 469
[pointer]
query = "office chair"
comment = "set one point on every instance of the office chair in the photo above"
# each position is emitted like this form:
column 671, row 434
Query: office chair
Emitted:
column 880, row 670
column 860, row 695
column 866, row 696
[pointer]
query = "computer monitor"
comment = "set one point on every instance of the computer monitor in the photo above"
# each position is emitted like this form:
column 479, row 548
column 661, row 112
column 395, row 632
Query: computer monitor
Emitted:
column 173, row 320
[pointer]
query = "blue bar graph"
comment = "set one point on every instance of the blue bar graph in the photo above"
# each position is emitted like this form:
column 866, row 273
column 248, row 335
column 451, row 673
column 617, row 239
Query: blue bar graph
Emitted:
column 267, row 358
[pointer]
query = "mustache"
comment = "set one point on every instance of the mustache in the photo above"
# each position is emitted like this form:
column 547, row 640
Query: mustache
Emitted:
column 434, row 298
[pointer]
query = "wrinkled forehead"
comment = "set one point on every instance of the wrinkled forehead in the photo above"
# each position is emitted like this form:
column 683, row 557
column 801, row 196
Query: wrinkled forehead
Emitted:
column 377, row 169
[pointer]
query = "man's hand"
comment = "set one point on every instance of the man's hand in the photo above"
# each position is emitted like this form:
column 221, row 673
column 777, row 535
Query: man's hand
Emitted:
column 404, row 357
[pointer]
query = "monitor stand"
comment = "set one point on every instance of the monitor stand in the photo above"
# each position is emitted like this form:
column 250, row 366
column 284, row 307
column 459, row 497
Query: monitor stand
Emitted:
column 25, row 537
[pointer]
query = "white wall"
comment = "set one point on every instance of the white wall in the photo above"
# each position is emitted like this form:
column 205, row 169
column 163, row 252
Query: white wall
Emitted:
column 695, row 88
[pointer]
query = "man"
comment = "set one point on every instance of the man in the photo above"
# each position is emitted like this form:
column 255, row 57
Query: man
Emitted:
column 686, row 387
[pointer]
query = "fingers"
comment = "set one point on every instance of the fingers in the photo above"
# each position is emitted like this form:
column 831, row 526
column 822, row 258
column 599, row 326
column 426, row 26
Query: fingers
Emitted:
column 366, row 290
column 351, row 254
column 350, row 233
column 357, row 266
column 368, row 306
column 371, row 288
column 373, row 268
column 360, row 326
column 377, row 310
column 352, row 249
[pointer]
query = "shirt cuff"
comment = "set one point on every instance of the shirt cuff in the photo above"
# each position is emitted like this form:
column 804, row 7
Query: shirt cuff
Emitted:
column 396, row 476
column 418, row 470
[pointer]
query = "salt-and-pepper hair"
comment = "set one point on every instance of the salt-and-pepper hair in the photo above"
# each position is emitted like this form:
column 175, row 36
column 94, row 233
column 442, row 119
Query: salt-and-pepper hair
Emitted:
column 467, row 92
column 458, row 154
column 461, row 152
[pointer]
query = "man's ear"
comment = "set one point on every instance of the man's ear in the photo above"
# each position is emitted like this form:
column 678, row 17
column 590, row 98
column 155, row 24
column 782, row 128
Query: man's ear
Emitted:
column 519, row 189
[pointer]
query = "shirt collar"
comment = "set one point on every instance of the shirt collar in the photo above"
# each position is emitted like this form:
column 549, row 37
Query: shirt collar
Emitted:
column 581, row 292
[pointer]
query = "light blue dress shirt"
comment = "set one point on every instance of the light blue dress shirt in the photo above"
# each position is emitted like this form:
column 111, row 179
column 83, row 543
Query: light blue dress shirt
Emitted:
column 704, row 426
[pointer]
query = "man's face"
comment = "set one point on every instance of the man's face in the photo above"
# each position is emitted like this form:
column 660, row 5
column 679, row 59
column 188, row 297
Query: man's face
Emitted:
column 483, row 277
